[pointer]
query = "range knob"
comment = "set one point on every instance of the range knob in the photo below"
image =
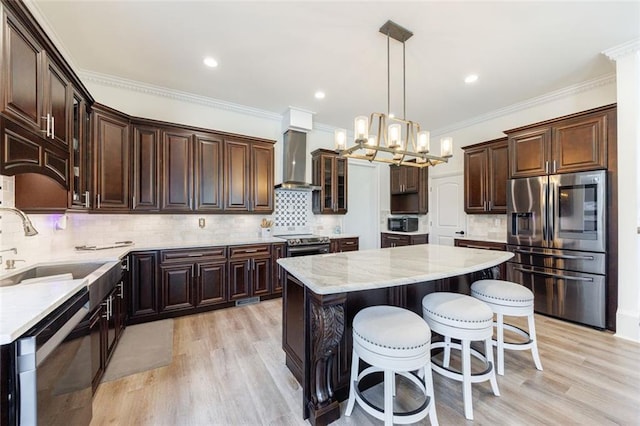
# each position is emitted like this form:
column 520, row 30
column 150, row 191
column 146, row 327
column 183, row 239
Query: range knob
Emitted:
column 296, row 242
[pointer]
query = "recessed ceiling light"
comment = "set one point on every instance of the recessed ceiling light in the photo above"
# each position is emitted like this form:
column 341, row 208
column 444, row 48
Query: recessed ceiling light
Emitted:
column 319, row 94
column 210, row 62
column 471, row 78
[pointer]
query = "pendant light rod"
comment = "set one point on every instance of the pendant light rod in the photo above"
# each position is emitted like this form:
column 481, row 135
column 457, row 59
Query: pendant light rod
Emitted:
column 404, row 84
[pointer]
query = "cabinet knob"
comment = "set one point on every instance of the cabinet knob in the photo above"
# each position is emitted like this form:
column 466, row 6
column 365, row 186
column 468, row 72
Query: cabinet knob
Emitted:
column 459, row 232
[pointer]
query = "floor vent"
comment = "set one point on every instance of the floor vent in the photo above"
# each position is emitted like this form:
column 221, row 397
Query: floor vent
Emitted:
column 248, row 301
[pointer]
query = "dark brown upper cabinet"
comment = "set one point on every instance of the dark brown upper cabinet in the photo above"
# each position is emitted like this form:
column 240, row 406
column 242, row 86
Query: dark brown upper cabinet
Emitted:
column 23, row 74
column 111, row 155
column 248, row 179
column 485, row 177
column 208, row 173
column 36, row 100
column 573, row 143
column 37, row 90
column 404, row 179
column 177, row 171
column 146, row 163
column 58, row 95
column 330, row 173
column 408, row 187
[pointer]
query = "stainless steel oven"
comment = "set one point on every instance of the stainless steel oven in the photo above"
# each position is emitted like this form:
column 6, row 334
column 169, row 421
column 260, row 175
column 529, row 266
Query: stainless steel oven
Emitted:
column 307, row 250
column 53, row 369
column 306, row 244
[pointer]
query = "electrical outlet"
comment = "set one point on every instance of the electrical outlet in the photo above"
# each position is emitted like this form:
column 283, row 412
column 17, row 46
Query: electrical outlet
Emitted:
column 201, row 222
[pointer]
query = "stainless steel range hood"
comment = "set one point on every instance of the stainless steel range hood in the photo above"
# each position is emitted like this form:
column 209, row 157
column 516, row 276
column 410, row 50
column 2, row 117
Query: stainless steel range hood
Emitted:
column 296, row 122
column 294, row 162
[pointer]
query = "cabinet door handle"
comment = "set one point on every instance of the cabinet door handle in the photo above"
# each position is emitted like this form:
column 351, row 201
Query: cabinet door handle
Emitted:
column 195, row 255
column 48, row 118
column 490, row 205
column 121, row 287
column 546, row 167
column 554, row 166
column 251, row 251
column 53, row 127
column 87, row 200
column 98, row 205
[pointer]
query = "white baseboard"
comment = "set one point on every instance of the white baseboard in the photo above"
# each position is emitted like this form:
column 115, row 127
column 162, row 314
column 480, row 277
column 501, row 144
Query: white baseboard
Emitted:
column 628, row 325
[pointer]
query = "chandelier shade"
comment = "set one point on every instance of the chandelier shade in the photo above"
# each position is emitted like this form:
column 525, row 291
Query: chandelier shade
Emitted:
column 385, row 138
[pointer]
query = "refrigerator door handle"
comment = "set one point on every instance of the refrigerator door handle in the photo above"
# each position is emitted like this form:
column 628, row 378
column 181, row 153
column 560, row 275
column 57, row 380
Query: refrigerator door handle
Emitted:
column 557, row 256
column 551, row 211
column 548, row 274
column 544, row 215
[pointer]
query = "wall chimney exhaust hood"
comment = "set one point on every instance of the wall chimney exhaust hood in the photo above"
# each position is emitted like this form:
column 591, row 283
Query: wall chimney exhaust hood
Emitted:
column 294, row 151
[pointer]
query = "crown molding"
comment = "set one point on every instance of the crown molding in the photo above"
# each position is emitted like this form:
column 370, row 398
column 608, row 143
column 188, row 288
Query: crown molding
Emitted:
column 149, row 89
column 50, row 32
column 624, row 49
column 604, row 80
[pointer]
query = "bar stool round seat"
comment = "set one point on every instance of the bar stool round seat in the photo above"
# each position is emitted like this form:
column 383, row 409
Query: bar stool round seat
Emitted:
column 461, row 318
column 510, row 299
column 394, row 341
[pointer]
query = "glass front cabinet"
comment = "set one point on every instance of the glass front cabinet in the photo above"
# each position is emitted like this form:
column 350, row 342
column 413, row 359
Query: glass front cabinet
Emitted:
column 330, row 174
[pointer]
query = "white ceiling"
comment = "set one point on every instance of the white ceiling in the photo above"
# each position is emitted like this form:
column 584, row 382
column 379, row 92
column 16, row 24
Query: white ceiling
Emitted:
column 273, row 55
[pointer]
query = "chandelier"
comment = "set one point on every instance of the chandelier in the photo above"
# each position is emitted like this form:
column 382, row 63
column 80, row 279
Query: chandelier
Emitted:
column 380, row 136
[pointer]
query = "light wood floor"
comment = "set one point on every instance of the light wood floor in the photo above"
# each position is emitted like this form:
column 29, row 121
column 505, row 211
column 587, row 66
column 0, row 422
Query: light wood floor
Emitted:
column 228, row 369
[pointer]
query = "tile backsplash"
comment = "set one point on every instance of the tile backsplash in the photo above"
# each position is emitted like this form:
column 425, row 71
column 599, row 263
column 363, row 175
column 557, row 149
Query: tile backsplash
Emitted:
column 487, row 225
column 292, row 208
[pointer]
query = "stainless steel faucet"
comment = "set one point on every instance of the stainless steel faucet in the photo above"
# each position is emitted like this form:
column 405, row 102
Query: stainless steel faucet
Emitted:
column 29, row 229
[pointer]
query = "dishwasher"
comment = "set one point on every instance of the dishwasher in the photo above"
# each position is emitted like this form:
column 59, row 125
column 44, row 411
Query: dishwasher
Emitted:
column 53, row 369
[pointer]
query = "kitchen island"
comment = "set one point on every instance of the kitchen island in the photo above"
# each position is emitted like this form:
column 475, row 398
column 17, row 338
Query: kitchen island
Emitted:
column 323, row 293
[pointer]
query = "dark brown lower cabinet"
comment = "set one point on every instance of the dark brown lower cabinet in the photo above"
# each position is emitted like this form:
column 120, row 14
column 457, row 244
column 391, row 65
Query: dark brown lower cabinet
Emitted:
column 190, row 278
column 176, row 283
column 250, row 269
column 106, row 324
column 278, row 251
column 170, row 283
column 398, row 240
column 339, row 245
column 212, row 289
column 97, row 332
column 143, row 291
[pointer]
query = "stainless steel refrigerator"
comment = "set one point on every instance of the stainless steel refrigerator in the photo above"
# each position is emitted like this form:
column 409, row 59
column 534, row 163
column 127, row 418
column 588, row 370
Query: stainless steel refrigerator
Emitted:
column 557, row 232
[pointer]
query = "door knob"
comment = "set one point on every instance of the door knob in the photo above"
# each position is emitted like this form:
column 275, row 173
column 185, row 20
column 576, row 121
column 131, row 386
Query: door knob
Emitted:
column 460, row 232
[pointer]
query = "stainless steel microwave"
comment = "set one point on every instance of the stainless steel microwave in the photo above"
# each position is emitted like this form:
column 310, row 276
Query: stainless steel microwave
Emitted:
column 402, row 224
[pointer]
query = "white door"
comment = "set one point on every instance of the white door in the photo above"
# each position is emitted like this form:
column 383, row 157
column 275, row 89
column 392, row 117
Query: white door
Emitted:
column 363, row 207
column 447, row 207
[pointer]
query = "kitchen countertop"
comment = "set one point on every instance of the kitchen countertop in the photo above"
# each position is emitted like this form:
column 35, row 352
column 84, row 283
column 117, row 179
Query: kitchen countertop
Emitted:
column 389, row 267
column 23, row 305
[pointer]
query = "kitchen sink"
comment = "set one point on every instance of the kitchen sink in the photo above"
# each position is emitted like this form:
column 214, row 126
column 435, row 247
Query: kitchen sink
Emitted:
column 77, row 271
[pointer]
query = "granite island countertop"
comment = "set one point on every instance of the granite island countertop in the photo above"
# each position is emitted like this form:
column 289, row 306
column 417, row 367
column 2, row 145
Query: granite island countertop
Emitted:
column 388, row 267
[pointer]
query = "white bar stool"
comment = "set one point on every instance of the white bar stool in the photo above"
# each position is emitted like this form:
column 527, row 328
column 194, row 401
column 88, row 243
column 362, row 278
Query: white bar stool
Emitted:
column 461, row 317
column 395, row 341
column 511, row 299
